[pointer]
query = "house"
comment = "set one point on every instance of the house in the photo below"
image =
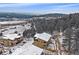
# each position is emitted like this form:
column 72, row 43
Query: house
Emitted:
column 10, row 39
column 41, row 39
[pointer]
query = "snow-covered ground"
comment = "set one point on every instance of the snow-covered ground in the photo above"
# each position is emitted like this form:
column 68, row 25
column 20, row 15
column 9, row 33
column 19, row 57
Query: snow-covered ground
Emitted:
column 11, row 22
column 27, row 49
column 19, row 28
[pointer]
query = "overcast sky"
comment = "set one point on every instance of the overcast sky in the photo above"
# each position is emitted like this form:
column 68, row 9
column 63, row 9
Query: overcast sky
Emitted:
column 40, row 8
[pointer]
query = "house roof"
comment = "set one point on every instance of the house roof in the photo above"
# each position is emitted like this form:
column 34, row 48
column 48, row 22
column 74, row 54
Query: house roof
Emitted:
column 43, row 36
column 11, row 36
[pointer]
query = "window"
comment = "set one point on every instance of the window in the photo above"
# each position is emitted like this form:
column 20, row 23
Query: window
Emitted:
column 44, row 42
column 44, row 45
column 35, row 39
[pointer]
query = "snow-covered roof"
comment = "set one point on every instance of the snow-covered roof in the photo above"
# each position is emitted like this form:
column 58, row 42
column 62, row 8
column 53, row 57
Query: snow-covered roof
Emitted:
column 43, row 36
column 28, row 49
column 11, row 36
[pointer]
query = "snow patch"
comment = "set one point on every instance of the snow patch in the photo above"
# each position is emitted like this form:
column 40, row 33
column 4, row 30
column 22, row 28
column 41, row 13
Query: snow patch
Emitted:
column 28, row 49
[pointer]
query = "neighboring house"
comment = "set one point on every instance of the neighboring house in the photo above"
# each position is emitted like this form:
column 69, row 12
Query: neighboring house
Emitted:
column 41, row 39
column 10, row 39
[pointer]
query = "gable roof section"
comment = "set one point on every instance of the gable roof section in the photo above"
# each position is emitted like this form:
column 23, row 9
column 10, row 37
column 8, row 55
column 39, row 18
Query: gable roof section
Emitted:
column 11, row 36
column 43, row 36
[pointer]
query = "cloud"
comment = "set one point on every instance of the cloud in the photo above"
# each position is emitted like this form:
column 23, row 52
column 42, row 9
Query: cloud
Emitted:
column 40, row 7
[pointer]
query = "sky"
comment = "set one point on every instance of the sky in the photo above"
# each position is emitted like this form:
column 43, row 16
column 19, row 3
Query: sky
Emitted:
column 40, row 8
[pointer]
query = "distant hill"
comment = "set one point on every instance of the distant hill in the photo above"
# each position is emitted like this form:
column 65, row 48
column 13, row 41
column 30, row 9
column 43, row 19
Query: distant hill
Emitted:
column 18, row 15
column 9, row 16
column 15, row 15
column 52, row 15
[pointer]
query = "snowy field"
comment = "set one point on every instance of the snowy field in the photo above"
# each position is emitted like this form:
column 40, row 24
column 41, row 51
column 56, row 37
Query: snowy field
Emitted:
column 27, row 49
column 19, row 28
column 11, row 22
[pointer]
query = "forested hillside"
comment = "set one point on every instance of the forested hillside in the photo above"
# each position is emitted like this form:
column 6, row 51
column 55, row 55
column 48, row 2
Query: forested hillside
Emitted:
column 68, row 24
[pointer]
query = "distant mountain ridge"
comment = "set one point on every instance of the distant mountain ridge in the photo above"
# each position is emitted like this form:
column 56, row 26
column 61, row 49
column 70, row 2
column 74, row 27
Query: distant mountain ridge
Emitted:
column 15, row 15
column 52, row 15
column 18, row 15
